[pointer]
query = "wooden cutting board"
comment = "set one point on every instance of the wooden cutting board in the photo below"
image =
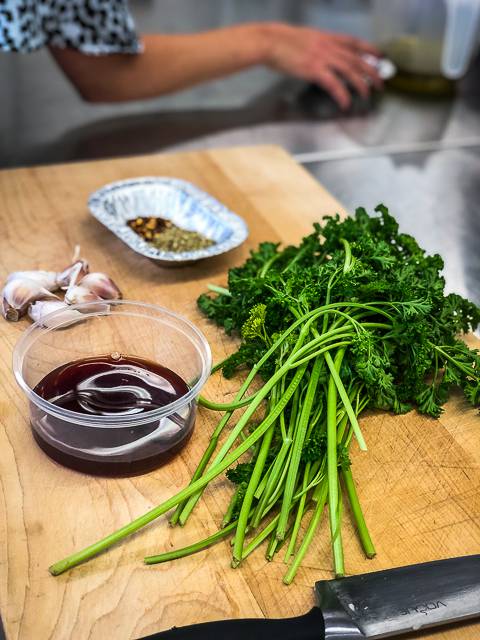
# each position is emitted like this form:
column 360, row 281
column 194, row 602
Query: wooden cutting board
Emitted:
column 419, row 482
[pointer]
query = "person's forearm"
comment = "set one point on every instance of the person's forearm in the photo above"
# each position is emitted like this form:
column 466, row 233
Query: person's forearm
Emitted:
column 169, row 63
column 174, row 62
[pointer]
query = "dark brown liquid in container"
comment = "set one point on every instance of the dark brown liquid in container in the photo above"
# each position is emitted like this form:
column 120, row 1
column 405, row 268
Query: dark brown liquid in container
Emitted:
column 112, row 385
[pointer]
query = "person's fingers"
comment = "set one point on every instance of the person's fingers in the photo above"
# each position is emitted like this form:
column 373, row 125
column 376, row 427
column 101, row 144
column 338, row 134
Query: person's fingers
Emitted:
column 356, row 79
column 356, row 62
column 357, row 44
column 333, row 85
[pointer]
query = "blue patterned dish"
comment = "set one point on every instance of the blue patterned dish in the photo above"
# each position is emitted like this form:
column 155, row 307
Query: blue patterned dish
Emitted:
column 177, row 200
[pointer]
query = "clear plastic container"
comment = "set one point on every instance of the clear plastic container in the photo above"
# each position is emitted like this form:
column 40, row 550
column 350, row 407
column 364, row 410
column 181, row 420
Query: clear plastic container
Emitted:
column 431, row 42
column 122, row 443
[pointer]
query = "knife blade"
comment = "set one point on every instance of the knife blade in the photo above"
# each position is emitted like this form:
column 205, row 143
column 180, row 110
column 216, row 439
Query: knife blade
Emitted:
column 373, row 605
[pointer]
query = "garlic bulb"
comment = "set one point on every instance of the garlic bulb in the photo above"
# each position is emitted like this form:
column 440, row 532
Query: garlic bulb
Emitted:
column 47, row 279
column 40, row 309
column 102, row 285
column 18, row 294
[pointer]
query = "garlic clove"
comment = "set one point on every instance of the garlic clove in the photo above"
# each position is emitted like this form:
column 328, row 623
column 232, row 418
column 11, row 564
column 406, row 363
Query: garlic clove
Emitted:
column 40, row 309
column 72, row 274
column 47, row 279
column 79, row 294
column 18, row 294
column 102, row 285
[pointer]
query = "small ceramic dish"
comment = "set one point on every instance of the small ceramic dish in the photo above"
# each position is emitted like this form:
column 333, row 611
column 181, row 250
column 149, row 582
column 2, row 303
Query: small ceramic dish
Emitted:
column 172, row 199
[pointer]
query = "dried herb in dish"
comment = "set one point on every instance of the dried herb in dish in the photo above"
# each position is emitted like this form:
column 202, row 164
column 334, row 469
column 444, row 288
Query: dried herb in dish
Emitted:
column 165, row 235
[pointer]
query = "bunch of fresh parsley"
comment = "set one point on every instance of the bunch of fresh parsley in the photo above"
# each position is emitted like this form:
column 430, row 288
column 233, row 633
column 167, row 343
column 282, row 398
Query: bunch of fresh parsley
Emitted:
column 381, row 334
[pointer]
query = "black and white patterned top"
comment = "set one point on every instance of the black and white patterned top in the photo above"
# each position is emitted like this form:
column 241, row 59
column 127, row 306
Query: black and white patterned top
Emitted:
column 90, row 26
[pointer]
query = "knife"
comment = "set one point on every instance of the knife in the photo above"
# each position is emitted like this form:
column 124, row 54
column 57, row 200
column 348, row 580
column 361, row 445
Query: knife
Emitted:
column 372, row 605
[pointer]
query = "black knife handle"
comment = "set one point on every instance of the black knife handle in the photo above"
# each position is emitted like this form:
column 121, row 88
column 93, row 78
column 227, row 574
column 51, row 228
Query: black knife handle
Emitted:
column 307, row 627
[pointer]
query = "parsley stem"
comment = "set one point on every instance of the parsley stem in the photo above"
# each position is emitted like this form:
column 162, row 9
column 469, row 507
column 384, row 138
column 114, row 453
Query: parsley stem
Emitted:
column 362, row 528
column 341, row 428
column 299, row 515
column 228, row 406
column 280, row 484
column 191, row 549
column 283, row 425
column 348, row 255
column 294, row 260
column 249, row 494
column 332, row 468
column 346, row 401
column 297, row 446
column 259, row 538
column 272, row 547
column 333, row 334
column 315, row 354
column 253, row 544
column 220, row 290
column 317, row 514
column 268, row 264
column 272, row 481
column 327, row 299
column 469, row 371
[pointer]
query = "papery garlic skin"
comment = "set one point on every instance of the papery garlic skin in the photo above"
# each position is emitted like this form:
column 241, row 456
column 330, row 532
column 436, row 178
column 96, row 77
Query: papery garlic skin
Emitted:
column 102, row 285
column 42, row 308
column 47, row 279
column 18, row 294
column 72, row 274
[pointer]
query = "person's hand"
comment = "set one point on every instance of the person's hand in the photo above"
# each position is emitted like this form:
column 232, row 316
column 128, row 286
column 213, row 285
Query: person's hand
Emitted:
column 328, row 59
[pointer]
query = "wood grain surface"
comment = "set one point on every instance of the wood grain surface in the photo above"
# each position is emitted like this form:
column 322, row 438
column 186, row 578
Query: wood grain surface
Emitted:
column 419, row 482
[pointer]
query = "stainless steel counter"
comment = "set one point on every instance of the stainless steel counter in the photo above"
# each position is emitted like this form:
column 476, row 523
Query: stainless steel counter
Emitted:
column 307, row 123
